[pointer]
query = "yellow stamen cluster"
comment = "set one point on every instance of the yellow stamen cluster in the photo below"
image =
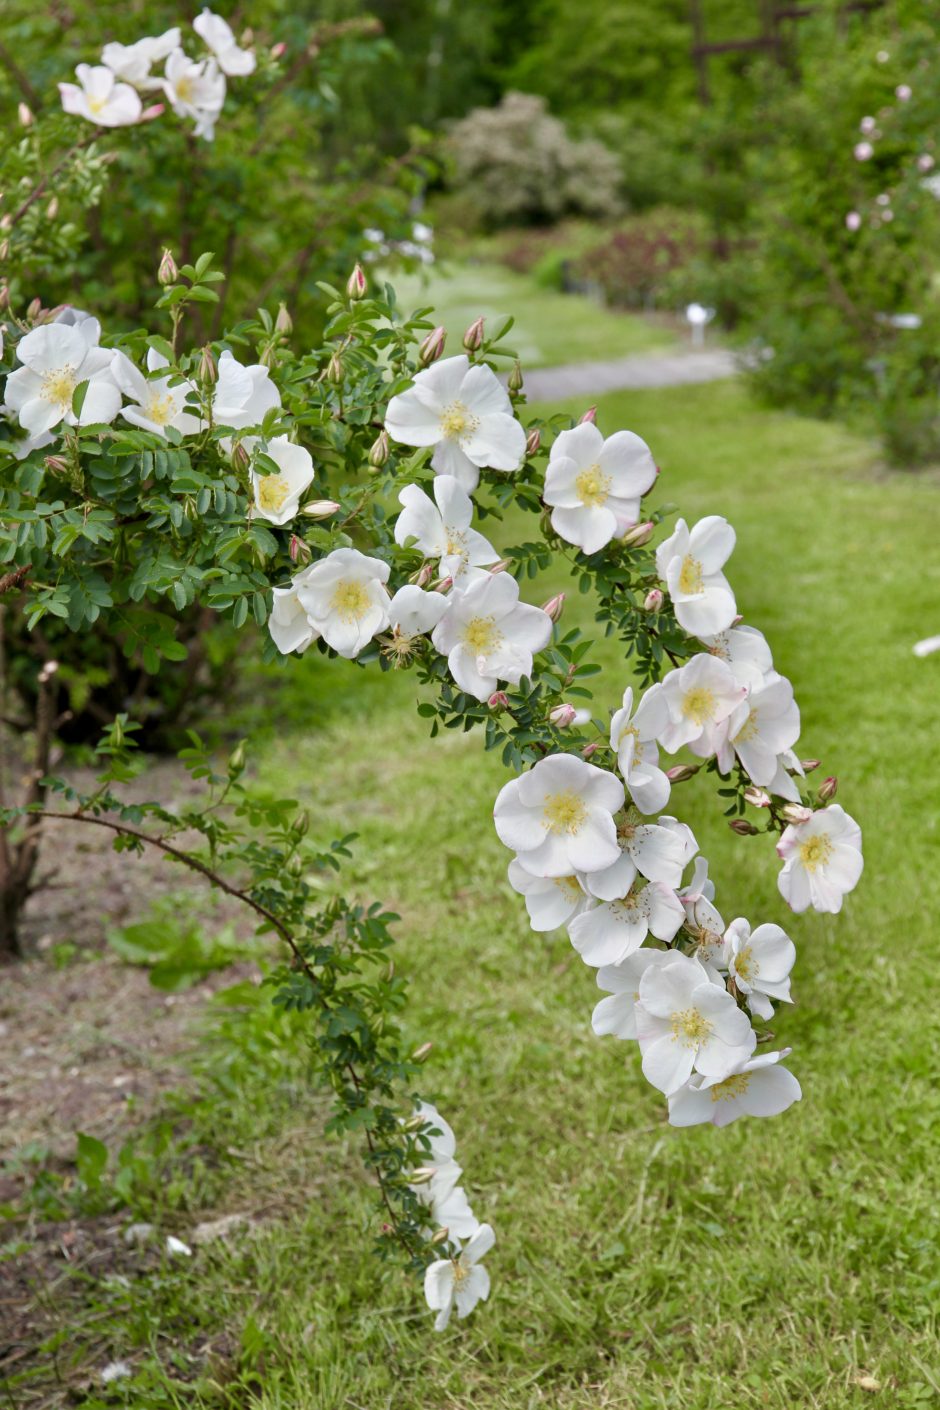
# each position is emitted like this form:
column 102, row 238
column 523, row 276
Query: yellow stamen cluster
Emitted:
column 458, row 420
column 58, row 386
column 272, row 491
column 593, row 486
column 564, row 812
column 350, row 599
column 816, row 851
column 690, row 575
column 481, row 635
column 690, row 1028
column 745, row 965
column 699, row 704
column 734, row 1086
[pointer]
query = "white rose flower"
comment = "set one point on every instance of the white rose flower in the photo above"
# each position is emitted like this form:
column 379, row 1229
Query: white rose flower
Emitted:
column 465, row 413
column 217, row 35
column 488, row 635
column 559, row 816
column 746, row 651
column 690, row 565
column 657, row 851
column 345, row 597
column 763, row 726
column 633, row 738
column 782, row 784
column 195, row 90
column 702, row 918
column 550, row 901
column 156, row 402
column 611, row 931
column 243, row 395
column 412, row 612
column 100, row 98
column 701, row 697
column 687, row 1022
column 759, row 962
column 822, row 860
column 757, row 1087
column 289, row 625
column 56, row 360
column 277, row 497
column 443, row 531
column 616, row 1015
column 459, row 1281
column 133, row 62
column 595, row 486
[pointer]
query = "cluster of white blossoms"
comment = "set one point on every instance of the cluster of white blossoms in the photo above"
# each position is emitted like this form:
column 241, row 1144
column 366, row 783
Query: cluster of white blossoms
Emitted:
column 457, row 1281
column 61, row 356
column 109, row 94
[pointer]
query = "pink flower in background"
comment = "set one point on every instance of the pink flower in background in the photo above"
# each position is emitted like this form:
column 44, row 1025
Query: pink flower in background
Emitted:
column 864, row 151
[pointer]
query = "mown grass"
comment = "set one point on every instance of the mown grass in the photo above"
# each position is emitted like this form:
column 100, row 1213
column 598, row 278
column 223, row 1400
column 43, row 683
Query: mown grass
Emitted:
column 550, row 327
column 774, row 1264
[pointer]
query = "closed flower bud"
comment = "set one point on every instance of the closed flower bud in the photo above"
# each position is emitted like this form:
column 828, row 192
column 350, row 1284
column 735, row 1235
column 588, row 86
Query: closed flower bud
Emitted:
column 295, row 867
column 422, row 1053
column 515, row 380
column 4, row 249
column 563, row 715
column 298, row 550
column 57, row 464
column 499, row 700
column 52, row 209
column 278, row 50
column 334, row 370
column 795, row 813
column 501, row 566
column 653, row 601
column 431, row 347
column 589, row 749
column 378, row 455
column 34, row 310
column 589, row 415
column 24, row 113
column 236, row 760
column 208, row 370
column 808, row 765
column 424, row 575
column 533, row 441
column 414, row 1123
column 168, row 272
column 356, row 284
column 283, row 323
column 554, row 607
column 440, row 1236
column 4, row 296
column 757, row 797
column 443, row 584
column 6, row 222
column 473, row 338
column 828, row 789
column 639, row 535
column 743, row 828
column 681, row 773
column 154, row 111
column 320, row 508
column 240, row 458
column 301, row 823
column 423, row 1175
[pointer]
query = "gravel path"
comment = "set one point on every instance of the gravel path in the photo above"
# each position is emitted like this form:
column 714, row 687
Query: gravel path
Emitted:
column 588, row 379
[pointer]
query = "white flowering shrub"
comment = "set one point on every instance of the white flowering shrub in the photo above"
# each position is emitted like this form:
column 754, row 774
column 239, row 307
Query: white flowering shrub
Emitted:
column 345, row 499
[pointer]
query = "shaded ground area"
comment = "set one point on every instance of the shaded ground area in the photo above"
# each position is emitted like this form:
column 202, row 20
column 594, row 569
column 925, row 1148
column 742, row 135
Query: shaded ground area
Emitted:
column 630, row 373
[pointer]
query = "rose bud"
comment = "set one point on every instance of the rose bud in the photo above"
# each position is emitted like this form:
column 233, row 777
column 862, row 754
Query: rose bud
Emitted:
column 533, row 441
column 515, row 379
column 639, row 535
column 378, row 455
column 320, row 508
column 168, row 272
column 681, row 773
column 653, row 601
column 431, row 347
column 808, row 765
column 828, row 789
column 555, row 606
column 356, row 284
column 590, row 749
column 562, row 716
column 208, row 371
column 499, row 700
column 795, row 813
column 757, row 797
column 473, row 338
column 589, row 415
column 283, row 323
column 501, row 566
column 743, row 828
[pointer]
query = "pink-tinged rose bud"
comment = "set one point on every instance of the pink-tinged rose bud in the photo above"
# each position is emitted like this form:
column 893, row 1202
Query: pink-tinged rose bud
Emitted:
column 208, row 369
column 515, row 379
column 903, row 92
column 278, row 50
column 743, row 828
column 443, row 584
column 56, row 464
column 168, row 272
column 240, row 458
column 473, row 338
column 795, row 813
column 320, row 508
column 154, row 111
column 590, row 415
column 283, row 323
column 867, row 126
column 828, row 789
column 378, row 455
column 590, row 749
column 555, row 606
column 757, row 797
column 853, row 221
column 563, row 715
column 422, row 1053
column 424, row 575
column 334, row 370
column 4, row 296
column 533, row 441
column 653, row 601
column 501, row 566
column 863, row 151
column 681, row 773
column 925, row 162
column 638, row 535
column 34, row 310
column 356, row 284
column 431, row 347
column 423, row 1175
column 807, row 765
column 499, row 700
column 440, row 1236
column 24, row 113
column 298, row 550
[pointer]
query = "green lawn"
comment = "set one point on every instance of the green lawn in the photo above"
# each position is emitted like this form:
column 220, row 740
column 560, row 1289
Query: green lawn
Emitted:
column 550, row 328
column 774, row 1264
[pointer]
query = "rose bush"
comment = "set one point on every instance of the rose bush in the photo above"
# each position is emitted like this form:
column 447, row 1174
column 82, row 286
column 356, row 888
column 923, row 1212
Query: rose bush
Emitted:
column 328, row 497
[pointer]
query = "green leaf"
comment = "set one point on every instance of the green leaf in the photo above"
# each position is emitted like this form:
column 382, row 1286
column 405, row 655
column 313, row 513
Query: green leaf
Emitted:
column 90, row 1160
